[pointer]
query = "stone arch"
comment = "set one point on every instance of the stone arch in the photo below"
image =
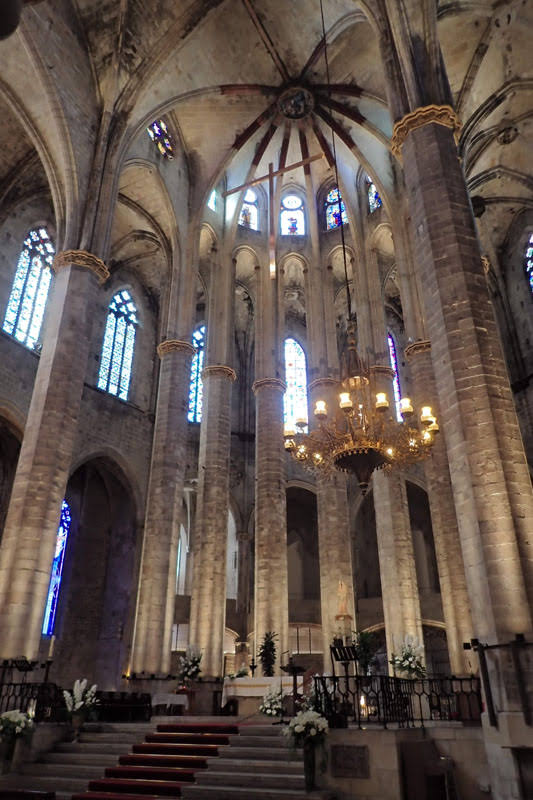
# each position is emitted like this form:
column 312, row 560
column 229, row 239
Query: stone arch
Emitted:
column 10, row 443
column 303, row 557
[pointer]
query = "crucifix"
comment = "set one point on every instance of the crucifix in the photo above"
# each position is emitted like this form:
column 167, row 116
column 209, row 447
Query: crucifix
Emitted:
column 270, row 178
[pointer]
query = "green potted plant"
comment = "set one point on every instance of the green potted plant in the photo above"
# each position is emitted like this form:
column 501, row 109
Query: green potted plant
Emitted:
column 366, row 647
column 267, row 654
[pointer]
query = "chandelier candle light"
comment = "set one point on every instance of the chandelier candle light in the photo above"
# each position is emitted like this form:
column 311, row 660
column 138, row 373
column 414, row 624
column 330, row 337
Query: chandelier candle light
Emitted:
column 361, row 435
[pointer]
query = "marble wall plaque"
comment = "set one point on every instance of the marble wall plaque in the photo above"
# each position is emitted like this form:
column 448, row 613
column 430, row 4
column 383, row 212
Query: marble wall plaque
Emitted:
column 350, row 761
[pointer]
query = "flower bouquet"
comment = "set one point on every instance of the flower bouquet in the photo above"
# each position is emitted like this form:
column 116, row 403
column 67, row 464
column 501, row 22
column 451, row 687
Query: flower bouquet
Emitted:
column 408, row 662
column 189, row 666
column 79, row 702
column 308, row 729
column 13, row 726
column 272, row 704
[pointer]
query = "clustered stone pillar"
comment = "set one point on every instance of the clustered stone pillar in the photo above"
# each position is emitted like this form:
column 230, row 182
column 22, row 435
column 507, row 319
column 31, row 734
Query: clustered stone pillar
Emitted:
column 30, row 532
column 454, row 596
column 244, row 539
column 157, row 591
column 271, row 611
column 208, row 599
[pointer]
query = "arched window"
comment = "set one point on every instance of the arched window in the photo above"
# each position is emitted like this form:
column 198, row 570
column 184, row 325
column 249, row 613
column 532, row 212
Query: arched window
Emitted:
column 292, row 216
column 119, row 343
column 212, row 202
column 27, row 301
column 57, row 570
column 374, row 200
column 196, row 386
column 295, row 398
column 396, row 379
column 335, row 210
column 249, row 216
column 529, row 261
column 158, row 133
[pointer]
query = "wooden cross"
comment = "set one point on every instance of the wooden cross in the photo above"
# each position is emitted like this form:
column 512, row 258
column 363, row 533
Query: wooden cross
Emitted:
column 270, row 178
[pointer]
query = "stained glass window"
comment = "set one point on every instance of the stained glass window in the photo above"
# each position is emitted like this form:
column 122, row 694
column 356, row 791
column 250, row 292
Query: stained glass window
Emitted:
column 57, row 570
column 374, row 200
column 292, row 216
column 335, row 210
column 212, row 202
column 396, row 379
column 158, row 133
column 295, row 398
column 196, row 386
column 119, row 343
column 529, row 261
column 27, row 301
column 249, row 216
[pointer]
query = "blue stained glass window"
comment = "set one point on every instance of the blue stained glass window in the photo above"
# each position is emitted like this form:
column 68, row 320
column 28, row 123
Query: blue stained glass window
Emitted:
column 295, row 398
column 396, row 379
column 212, row 202
column 196, row 386
column 529, row 261
column 57, row 570
column 335, row 210
column 118, row 347
column 158, row 133
column 292, row 216
column 374, row 200
column 249, row 216
column 27, row 301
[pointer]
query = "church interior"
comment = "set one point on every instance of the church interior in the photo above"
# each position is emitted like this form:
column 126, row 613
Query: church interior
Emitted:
column 266, row 359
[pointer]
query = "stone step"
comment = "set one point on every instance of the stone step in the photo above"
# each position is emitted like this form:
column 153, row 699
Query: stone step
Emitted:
column 112, row 796
column 188, row 738
column 263, row 753
column 155, row 760
column 164, row 788
column 246, row 740
column 278, row 780
column 260, row 730
column 293, row 766
column 62, row 770
column 92, row 747
column 195, row 792
column 80, row 758
column 66, row 786
column 127, row 737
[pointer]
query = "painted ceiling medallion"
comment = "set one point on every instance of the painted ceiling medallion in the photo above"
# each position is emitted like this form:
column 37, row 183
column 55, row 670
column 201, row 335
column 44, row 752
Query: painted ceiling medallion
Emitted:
column 296, row 102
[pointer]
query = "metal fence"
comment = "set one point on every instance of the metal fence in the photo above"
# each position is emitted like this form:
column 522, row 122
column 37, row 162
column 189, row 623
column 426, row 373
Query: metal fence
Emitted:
column 383, row 700
column 44, row 700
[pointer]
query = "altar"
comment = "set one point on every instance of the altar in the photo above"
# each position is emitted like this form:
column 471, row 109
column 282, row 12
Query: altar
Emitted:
column 249, row 692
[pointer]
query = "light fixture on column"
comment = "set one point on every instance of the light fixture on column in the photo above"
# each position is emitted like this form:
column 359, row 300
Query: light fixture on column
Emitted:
column 360, row 434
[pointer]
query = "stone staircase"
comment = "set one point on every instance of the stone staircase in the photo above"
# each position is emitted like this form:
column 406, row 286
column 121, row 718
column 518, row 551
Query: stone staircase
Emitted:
column 205, row 760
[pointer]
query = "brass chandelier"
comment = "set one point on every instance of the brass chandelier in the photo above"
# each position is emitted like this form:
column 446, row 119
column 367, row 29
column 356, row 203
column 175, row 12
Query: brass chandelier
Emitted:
column 361, row 434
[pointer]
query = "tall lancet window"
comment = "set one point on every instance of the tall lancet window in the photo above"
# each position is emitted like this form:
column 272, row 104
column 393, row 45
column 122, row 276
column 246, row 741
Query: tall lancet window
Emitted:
column 119, row 344
column 529, row 261
column 335, row 210
column 27, row 301
column 196, row 386
column 249, row 216
column 374, row 200
column 396, row 379
column 292, row 217
column 57, row 570
column 295, row 398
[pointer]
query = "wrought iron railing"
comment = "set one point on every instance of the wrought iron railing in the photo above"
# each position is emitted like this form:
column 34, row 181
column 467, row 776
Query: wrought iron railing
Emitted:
column 44, row 700
column 383, row 700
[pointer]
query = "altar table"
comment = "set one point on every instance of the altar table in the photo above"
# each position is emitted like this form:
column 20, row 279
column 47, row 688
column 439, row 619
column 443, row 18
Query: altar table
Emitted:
column 256, row 687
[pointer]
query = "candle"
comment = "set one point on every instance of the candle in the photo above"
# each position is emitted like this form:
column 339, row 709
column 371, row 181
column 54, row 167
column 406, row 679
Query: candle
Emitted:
column 51, row 647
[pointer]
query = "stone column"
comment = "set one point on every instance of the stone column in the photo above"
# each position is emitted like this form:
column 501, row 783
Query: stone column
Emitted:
column 244, row 540
column 454, row 596
column 208, row 598
column 271, row 608
column 29, row 538
column 157, row 591
column 490, row 478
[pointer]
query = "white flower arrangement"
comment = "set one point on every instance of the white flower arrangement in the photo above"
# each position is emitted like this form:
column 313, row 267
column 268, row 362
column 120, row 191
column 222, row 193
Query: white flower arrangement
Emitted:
column 272, row 704
column 189, row 665
column 306, row 726
column 81, row 698
column 409, row 660
column 241, row 673
column 15, row 723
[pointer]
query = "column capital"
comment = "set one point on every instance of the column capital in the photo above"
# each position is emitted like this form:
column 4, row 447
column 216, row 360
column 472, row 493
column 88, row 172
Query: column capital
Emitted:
column 171, row 345
column 219, row 371
column 381, row 369
column 413, row 349
column 274, row 383
column 317, row 383
column 81, row 258
column 441, row 115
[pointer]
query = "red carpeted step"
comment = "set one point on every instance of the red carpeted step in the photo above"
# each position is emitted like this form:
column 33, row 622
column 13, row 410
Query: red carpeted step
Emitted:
column 176, row 749
column 154, row 760
column 142, row 787
column 151, row 773
column 187, row 738
column 113, row 796
column 213, row 727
